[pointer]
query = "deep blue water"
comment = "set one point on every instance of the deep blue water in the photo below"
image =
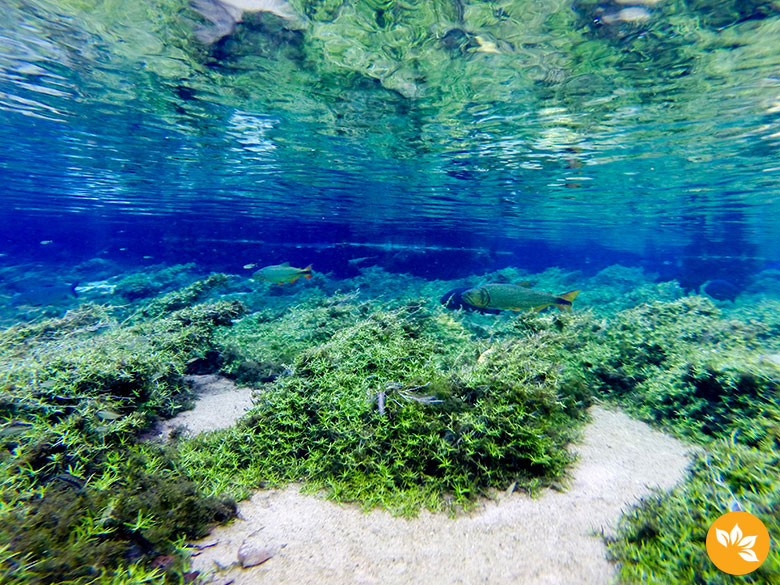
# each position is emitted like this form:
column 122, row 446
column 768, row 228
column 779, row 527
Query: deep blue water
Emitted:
column 573, row 140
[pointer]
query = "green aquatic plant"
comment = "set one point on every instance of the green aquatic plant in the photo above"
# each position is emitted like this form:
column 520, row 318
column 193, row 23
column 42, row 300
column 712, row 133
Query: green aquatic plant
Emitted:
column 683, row 366
column 80, row 498
column 152, row 281
column 400, row 409
column 124, row 505
column 260, row 346
column 680, row 364
column 184, row 297
column 386, row 402
column 662, row 541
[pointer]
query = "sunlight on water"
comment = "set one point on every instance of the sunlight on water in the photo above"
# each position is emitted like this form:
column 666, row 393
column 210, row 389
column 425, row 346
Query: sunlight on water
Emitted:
column 569, row 122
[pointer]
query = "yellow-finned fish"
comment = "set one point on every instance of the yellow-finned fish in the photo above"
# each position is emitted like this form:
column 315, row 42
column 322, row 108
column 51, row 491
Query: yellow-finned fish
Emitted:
column 282, row 273
column 516, row 298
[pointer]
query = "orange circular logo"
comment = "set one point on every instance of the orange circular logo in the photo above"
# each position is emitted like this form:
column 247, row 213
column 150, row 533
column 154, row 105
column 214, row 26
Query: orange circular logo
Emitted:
column 737, row 543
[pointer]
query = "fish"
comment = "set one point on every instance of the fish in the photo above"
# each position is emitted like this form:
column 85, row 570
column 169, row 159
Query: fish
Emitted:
column 486, row 46
column 453, row 300
column 73, row 481
column 633, row 14
column 513, row 297
column 282, row 273
column 107, row 414
column 100, row 287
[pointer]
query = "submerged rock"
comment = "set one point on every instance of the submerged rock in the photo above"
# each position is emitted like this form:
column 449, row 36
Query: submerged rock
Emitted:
column 251, row 554
column 224, row 15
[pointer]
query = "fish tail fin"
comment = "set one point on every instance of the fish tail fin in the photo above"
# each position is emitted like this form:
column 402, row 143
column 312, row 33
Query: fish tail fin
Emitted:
column 563, row 302
column 307, row 271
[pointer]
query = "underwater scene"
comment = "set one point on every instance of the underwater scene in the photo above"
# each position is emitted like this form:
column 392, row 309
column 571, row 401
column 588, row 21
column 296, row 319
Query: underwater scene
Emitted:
column 390, row 291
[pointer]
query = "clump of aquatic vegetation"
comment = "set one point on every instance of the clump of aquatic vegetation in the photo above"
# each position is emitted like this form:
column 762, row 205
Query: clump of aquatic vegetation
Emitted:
column 711, row 380
column 362, row 411
column 392, row 402
column 682, row 365
column 406, row 407
column 81, row 499
column 152, row 281
column 662, row 541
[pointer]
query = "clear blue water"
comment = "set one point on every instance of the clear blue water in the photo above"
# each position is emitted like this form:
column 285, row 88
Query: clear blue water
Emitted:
column 617, row 147
column 446, row 138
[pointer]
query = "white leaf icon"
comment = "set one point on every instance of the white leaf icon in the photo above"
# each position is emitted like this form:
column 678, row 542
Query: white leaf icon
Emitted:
column 723, row 536
column 748, row 555
column 747, row 542
column 736, row 534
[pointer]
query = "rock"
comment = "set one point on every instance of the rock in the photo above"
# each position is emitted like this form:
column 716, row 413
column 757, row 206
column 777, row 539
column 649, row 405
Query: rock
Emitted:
column 251, row 555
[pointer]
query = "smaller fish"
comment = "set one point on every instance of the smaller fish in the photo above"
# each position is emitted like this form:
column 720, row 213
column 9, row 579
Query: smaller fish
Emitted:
column 46, row 242
column 97, row 287
column 282, row 273
column 72, row 480
column 107, row 414
column 356, row 261
column 632, row 14
column 249, row 266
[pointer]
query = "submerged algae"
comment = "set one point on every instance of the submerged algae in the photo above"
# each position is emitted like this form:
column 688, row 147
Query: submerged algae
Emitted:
column 680, row 364
column 153, row 281
column 80, row 498
column 451, row 426
column 470, row 403
column 662, row 541
column 677, row 362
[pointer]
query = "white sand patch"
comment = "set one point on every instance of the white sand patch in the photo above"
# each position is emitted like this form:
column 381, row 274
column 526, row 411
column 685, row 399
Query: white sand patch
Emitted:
column 219, row 404
column 545, row 541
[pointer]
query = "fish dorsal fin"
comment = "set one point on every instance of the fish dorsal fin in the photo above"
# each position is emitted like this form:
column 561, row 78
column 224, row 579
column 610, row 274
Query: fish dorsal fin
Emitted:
column 284, row 264
column 524, row 283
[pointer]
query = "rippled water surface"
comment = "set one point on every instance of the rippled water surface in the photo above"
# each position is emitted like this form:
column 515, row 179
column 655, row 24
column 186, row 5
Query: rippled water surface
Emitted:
column 584, row 128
